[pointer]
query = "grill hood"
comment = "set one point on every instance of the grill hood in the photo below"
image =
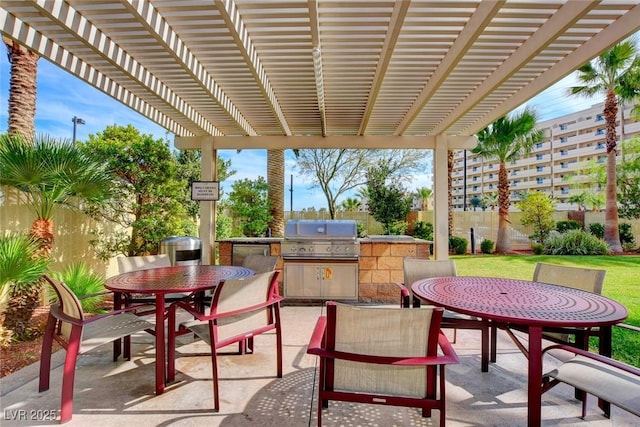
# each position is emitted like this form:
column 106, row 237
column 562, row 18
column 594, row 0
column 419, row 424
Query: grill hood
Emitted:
column 306, row 229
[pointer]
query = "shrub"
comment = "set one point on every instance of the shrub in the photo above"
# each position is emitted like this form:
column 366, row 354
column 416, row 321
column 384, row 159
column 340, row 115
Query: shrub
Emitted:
column 597, row 230
column 458, row 245
column 397, row 228
column 571, row 224
column 537, row 248
column 423, row 230
column 575, row 242
column 87, row 285
column 626, row 235
column 486, row 246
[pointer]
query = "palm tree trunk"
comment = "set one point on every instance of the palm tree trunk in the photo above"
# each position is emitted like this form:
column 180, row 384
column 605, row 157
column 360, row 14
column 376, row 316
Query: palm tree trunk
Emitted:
column 22, row 89
column 275, row 179
column 611, row 233
column 503, row 242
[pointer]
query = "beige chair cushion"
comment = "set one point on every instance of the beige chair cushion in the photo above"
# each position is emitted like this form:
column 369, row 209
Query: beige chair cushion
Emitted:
column 620, row 388
column 381, row 332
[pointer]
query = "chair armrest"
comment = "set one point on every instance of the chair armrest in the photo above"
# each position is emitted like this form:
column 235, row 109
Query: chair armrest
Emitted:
column 60, row 315
column 449, row 356
column 603, row 359
column 405, row 297
column 317, row 337
column 208, row 317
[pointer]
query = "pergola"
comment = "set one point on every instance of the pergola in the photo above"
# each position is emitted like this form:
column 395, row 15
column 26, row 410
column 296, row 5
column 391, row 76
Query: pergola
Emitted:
column 285, row 74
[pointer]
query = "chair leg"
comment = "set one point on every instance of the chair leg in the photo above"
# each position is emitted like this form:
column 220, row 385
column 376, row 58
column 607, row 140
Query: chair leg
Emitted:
column 278, row 341
column 45, row 354
column 68, row 375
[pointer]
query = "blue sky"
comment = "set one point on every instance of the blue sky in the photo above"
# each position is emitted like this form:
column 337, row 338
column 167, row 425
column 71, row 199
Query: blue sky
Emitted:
column 61, row 96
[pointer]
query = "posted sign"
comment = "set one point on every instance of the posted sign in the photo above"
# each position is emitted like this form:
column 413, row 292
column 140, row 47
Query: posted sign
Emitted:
column 205, row 190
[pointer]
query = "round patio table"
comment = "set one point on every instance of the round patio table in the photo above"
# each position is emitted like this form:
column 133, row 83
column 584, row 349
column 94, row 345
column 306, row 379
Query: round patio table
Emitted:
column 169, row 280
column 532, row 305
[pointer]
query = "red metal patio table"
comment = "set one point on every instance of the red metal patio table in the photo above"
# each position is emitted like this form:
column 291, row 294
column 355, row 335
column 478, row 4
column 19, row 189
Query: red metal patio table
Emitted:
column 529, row 304
column 169, row 280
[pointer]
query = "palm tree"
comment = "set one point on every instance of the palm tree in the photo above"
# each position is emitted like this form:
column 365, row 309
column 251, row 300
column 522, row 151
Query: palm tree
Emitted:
column 507, row 139
column 579, row 199
column 50, row 174
column 275, row 179
column 611, row 74
column 22, row 88
column 351, row 204
column 424, row 194
column 490, row 200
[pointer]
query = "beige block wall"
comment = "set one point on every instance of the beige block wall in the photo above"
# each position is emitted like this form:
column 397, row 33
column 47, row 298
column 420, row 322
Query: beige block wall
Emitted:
column 380, row 269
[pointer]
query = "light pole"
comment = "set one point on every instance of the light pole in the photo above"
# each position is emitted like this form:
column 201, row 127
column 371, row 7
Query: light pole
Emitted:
column 76, row 121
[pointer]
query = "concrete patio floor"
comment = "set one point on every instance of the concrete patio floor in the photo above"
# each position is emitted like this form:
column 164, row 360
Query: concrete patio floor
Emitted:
column 122, row 393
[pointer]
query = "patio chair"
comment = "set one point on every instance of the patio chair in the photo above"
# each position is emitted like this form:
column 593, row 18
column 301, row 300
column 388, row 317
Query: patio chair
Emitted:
column 419, row 268
column 382, row 355
column 586, row 279
column 68, row 326
column 610, row 380
column 240, row 309
column 260, row 263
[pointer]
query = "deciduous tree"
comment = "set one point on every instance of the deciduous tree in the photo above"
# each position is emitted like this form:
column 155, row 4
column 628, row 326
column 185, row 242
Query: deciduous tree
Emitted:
column 338, row 171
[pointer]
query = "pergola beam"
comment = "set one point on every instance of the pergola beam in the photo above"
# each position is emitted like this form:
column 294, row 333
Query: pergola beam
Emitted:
column 312, row 142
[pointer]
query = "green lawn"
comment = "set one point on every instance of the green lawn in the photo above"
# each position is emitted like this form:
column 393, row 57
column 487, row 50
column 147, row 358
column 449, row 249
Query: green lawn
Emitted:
column 621, row 283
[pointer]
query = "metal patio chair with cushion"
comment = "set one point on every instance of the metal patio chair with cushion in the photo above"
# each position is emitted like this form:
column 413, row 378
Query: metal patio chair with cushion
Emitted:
column 610, row 380
column 586, row 279
column 382, row 355
column 419, row 268
column 68, row 326
column 260, row 263
column 240, row 309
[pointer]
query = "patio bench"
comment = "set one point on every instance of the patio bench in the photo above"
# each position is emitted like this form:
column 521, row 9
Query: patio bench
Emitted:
column 603, row 377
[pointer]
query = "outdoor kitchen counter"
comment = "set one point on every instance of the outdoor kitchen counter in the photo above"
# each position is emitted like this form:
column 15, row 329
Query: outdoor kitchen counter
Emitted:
column 225, row 247
column 379, row 263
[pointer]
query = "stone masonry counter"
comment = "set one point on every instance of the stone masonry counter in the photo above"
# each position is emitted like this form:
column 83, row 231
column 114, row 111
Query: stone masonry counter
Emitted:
column 380, row 266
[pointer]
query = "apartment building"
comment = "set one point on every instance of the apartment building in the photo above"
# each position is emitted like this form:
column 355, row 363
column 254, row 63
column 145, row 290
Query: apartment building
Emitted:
column 558, row 166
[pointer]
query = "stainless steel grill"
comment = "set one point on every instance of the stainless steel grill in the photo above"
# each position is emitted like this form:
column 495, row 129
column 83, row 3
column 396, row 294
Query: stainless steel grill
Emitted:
column 317, row 239
column 321, row 259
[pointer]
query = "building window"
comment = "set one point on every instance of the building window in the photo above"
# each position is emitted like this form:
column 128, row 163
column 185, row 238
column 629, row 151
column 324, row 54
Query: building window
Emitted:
column 600, row 146
column 564, row 191
column 539, row 156
column 539, row 168
column 599, row 118
column 564, row 152
column 475, row 188
column 563, row 127
column 564, row 139
column 475, row 169
column 540, row 181
column 475, row 178
column 539, row 145
column 564, row 165
column 490, row 176
column 601, row 159
column 600, row 132
column 490, row 186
